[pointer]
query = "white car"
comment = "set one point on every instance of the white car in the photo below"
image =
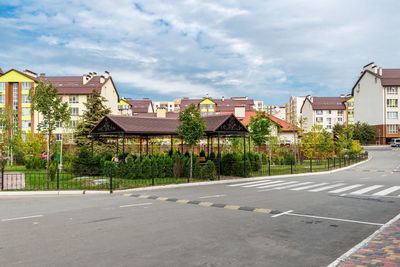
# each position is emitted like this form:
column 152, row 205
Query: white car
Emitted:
column 395, row 142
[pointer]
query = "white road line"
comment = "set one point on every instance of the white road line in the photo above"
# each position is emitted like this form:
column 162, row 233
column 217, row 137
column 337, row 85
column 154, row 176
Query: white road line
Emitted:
column 365, row 190
column 308, row 186
column 273, row 182
column 282, row 213
column 212, row 196
column 136, row 205
column 21, row 218
column 347, row 188
column 326, row 187
column 293, row 185
column 387, row 191
column 333, row 219
column 285, row 183
column 241, row 184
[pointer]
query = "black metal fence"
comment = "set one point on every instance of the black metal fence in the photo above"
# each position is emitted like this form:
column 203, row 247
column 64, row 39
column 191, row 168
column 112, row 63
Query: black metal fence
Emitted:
column 123, row 178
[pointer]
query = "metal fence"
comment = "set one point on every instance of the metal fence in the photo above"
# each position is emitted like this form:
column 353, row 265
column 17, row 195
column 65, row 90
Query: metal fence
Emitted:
column 123, row 178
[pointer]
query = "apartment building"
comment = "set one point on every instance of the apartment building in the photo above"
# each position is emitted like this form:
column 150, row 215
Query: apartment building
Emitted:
column 350, row 111
column 139, row 106
column 277, row 111
column 376, row 101
column 169, row 106
column 15, row 86
column 324, row 111
column 293, row 109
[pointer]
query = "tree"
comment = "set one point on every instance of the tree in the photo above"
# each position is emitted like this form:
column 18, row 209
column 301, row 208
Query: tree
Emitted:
column 10, row 133
column 260, row 129
column 317, row 143
column 191, row 129
column 95, row 112
column 363, row 132
column 53, row 111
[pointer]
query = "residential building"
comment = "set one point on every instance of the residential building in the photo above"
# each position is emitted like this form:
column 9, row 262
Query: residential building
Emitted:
column 259, row 105
column 170, row 106
column 277, row 111
column 376, row 101
column 324, row 111
column 140, row 106
column 75, row 90
column 350, row 111
column 124, row 108
column 293, row 109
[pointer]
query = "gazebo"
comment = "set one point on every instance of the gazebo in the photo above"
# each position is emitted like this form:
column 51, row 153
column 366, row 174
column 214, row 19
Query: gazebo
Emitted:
column 125, row 127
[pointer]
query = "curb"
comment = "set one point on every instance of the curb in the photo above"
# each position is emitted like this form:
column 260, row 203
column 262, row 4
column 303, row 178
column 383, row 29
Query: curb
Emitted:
column 157, row 187
column 351, row 251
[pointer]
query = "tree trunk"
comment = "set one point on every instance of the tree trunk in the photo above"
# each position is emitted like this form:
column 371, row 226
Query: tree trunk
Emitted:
column 48, row 160
column 260, row 153
column 191, row 162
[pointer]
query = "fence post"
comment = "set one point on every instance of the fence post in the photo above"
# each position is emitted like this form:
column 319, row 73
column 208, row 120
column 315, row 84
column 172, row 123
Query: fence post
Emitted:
column 111, row 178
column 58, row 179
column 269, row 167
column 261, row 166
column 340, row 162
column 188, row 176
column 2, row 178
column 291, row 166
column 152, row 174
column 310, row 165
column 334, row 162
column 328, row 164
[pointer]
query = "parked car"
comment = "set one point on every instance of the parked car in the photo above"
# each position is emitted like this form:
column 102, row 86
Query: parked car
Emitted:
column 395, row 142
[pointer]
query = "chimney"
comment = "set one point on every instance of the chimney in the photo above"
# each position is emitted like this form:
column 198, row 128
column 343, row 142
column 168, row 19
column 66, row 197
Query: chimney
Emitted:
column 102, row 79
column 161, row 113
column 106, row 74
column 223, row 98
column 342, row 95
column 42, row 74
column 94, row 73
column 375, row 69
column 380, row 71
column 207, row 95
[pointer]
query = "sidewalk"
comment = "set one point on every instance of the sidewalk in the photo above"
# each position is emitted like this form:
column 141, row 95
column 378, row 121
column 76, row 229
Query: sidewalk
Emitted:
column 382, row 250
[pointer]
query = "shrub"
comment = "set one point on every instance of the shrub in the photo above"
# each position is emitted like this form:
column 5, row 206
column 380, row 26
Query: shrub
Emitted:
column 208, row 171
column 202, row 153
column 84, row 162
column 178, row 167
column 35, row 163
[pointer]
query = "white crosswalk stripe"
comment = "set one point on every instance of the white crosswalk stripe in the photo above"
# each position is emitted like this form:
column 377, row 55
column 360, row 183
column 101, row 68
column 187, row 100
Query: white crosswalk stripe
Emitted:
column 273, row 182
column 366, row 190
column 344, row 189
column 273, row 185
column 326, row 187
column 308, row 186
column 387, row 191
column 233, row 185
column 293, row 185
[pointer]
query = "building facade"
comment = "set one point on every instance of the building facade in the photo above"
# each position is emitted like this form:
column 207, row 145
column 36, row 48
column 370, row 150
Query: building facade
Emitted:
column 376, row 101
column 293, row 109
column 323, row 111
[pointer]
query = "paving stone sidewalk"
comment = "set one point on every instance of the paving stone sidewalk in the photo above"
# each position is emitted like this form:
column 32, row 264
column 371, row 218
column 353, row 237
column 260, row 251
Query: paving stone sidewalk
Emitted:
column 383, row 250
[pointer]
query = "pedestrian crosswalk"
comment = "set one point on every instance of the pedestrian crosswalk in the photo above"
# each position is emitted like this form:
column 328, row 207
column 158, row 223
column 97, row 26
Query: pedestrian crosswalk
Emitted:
column 314, row 187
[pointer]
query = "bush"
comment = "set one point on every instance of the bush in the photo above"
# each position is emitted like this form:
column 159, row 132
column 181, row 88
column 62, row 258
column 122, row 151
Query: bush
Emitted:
column 35, row 163
column 202, row 153
column 208, row 171
column 85, row 163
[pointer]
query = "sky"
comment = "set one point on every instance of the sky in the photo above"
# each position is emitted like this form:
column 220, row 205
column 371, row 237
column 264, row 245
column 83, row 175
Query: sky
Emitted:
column 163, row 49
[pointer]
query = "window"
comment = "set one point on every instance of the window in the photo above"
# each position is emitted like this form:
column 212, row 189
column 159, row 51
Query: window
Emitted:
column 376, row 80
column 392, row 103
column 26, row 125
column 329, row 120
column 328, row 127
column 15, row 96
column 391, row 90
column 74, row 111
column 2, row 87
column 2, row 99
column 88, row 97
column 392, row 128
column 351, row 111
column 26, row 86
column 339, row 119
column 329, row 112
column 73, row 124
column 392, row 115
column 59, row 124
column 58, row 137
column 203, row 106
column 26, row 112
column 210, row 106
column 340, row 112
column 204, row 114
column 26, row 99
column 320, row 119
column 351, row 104
column 319, row 112
column 73, row 99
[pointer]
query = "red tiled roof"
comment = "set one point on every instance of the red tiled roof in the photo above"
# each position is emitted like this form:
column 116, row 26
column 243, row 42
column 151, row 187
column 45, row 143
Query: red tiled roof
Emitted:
column 390, row 77
column 139, row 106
column 73, row 85
column 170, row 115
column 285, row 126
column 334, row 103
column 221, row 105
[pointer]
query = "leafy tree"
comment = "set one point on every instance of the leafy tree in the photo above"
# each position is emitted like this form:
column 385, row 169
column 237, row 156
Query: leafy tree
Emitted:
column 363, row 132
column 10, row 133
column 95, row 112
column 317, row 143
column 191, row 129
column 260, row 129
column 53, row 111
column 344, row 141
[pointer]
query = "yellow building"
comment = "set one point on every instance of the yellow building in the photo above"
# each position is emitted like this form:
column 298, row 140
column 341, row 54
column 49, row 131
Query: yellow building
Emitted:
column 207, row 107
column 124, row 108
column 350, row 111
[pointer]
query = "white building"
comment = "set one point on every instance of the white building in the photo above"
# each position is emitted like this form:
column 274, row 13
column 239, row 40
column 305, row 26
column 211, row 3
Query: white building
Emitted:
column 169, row 106
column 376, row 101
column 293, row 109
column 324, row 111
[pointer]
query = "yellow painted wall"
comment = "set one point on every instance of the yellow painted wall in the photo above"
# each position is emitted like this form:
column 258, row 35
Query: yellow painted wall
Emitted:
column 207, row 101
column 14, row 76
column 123, row 103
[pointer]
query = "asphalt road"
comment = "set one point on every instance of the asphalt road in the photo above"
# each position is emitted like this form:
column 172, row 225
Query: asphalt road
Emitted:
column 325, row 216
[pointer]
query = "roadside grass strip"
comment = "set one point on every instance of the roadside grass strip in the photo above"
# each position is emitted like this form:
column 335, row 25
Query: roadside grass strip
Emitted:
column 206, row 204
